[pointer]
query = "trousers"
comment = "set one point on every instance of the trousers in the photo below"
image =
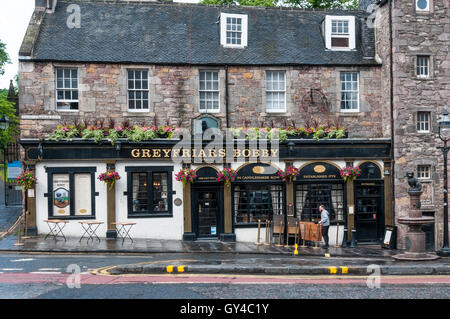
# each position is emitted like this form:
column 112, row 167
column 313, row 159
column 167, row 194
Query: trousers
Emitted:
column 325, row 235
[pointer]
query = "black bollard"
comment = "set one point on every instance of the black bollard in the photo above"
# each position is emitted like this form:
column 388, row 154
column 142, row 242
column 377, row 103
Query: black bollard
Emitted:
column 344, row 240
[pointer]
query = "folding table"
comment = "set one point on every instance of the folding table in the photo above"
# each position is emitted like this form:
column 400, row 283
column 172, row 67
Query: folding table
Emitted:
column 90, row 229
column 123, row 230
column 56, row 227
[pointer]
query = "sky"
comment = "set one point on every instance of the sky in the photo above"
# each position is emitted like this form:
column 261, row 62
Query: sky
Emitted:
column 14, row 18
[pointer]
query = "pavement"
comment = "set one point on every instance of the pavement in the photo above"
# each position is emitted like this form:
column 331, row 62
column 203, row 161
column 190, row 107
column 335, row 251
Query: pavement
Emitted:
column 8, row 216
column 213, row 257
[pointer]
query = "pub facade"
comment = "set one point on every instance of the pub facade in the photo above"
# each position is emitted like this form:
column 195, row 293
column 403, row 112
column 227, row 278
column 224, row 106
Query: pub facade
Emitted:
column 305, row 74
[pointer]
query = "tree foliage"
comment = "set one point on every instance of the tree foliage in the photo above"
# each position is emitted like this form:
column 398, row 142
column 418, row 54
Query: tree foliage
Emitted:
column 7, row 136
column 305, row 4
column 4, row 57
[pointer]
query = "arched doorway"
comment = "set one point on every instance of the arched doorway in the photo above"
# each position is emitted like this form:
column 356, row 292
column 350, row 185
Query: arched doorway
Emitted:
column 369, row 204
column 207, row 204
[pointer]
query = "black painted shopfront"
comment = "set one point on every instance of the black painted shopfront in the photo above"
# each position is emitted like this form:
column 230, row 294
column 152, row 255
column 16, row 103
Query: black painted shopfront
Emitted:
column 214, row 210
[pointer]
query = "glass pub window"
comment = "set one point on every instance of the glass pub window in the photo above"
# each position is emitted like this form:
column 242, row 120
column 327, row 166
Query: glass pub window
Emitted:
column 423, row 66
column 209, row 91
column 138, row 90
column 349, row 91
column 234, row 31
column 275, row 91
column 142, row 188
column 310, row 196
column 423, row 171
column 423, row 122
column 67, row 89
column 253, row 202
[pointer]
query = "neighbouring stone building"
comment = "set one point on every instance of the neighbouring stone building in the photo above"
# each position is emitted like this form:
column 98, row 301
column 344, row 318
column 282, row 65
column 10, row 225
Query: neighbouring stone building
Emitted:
column 193, row 66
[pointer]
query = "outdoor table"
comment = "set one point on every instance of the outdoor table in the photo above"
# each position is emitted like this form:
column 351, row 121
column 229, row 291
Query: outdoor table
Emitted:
column 56, row 227
column 90, row 229
column 123, row 230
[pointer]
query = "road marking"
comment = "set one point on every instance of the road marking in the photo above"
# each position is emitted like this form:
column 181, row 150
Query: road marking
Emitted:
column 49, row 269
column 333, row 270
column 12, row 269
column 23, row 259
column 45, row 272
column 344, row 270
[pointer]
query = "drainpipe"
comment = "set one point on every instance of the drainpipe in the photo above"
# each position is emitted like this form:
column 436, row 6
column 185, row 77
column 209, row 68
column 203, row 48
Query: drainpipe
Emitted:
column 392, row 111
column 227, row 119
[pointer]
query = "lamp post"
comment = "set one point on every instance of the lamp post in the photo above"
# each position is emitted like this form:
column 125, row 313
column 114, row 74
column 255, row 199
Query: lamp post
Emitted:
column 4, row 123
column 444, row 135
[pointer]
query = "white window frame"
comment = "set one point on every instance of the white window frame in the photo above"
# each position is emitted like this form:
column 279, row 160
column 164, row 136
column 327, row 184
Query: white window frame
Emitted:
column 426, row 58
column 424, row 171
column 67, row 89
column 351, row 33
column 134, row 89
column 350, row 91
column 208, row 91
column 283, row 90
column 223, row 30
column 422, row 122
column 427, row 9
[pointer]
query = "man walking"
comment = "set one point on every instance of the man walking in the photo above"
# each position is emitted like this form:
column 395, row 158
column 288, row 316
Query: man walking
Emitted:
column 325, row 222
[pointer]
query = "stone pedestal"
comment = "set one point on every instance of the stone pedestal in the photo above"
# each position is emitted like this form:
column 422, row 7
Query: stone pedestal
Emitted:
column 415, row 221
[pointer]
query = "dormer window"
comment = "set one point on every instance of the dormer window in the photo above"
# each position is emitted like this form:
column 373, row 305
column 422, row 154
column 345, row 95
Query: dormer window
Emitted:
column 233, row 30
column 340, row 32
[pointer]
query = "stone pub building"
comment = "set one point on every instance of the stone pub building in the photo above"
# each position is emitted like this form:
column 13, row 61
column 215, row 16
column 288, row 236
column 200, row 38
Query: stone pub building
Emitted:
column 124, row 64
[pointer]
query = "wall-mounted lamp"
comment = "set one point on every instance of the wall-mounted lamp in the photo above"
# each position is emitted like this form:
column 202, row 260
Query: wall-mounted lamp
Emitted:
column 118, row 146
column 291, row 147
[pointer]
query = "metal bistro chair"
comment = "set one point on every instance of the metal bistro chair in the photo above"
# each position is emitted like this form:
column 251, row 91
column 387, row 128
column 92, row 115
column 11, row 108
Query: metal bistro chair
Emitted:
column 278, row 228
column 292, row 230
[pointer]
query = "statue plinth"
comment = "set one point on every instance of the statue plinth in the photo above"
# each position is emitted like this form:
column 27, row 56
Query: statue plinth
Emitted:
column 415, row 221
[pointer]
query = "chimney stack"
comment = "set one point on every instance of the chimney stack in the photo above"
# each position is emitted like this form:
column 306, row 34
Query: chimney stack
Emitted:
column 48, row 5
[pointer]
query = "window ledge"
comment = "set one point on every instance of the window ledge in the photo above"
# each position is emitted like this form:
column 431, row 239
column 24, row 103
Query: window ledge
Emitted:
column 150, row 215
column 350, row 113
column 72, row 217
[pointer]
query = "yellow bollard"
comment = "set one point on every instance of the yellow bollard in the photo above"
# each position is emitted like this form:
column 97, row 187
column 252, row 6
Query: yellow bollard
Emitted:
column 180, row 269
column 296, row 250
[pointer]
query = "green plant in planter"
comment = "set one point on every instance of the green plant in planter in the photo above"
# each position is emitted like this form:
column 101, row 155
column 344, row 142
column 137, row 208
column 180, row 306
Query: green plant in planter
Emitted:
column 341, row 133
column 113, row 136
column 93, row 133
column 319, row 134
column 64, row 132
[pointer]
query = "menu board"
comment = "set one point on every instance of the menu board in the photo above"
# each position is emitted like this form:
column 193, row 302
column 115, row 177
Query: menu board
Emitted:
column 83, row 195
column 61, row 195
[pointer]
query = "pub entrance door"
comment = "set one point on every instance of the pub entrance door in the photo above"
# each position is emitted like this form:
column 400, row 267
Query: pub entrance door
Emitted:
column 369, row 212
column 207, row 212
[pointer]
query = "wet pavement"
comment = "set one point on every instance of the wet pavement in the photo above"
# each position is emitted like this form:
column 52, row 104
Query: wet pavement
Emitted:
column 8, row 216
column 138, row 246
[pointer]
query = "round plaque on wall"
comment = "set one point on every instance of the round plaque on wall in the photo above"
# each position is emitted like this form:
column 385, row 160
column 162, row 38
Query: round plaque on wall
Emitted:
column 178, row 202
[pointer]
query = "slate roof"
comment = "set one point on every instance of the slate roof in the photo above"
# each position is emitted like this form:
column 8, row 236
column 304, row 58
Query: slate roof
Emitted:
column 174, row 33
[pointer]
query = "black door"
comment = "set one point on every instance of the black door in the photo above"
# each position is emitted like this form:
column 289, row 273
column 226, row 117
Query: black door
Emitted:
column 207, row 208
column 369, row 212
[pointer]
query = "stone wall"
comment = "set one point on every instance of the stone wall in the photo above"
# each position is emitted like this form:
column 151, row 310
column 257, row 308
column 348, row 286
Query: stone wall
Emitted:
column 174, row 97
column 419, row 34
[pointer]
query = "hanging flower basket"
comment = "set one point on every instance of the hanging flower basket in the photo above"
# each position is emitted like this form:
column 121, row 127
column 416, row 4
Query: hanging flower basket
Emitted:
column 109, row 178
column 227, row 175
column 186, row 175
column 26, row 180
column 350, row 173
column 288, row 174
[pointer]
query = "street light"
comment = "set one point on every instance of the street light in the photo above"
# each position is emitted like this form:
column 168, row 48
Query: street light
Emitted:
column 444, row 135
column 4, row 123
